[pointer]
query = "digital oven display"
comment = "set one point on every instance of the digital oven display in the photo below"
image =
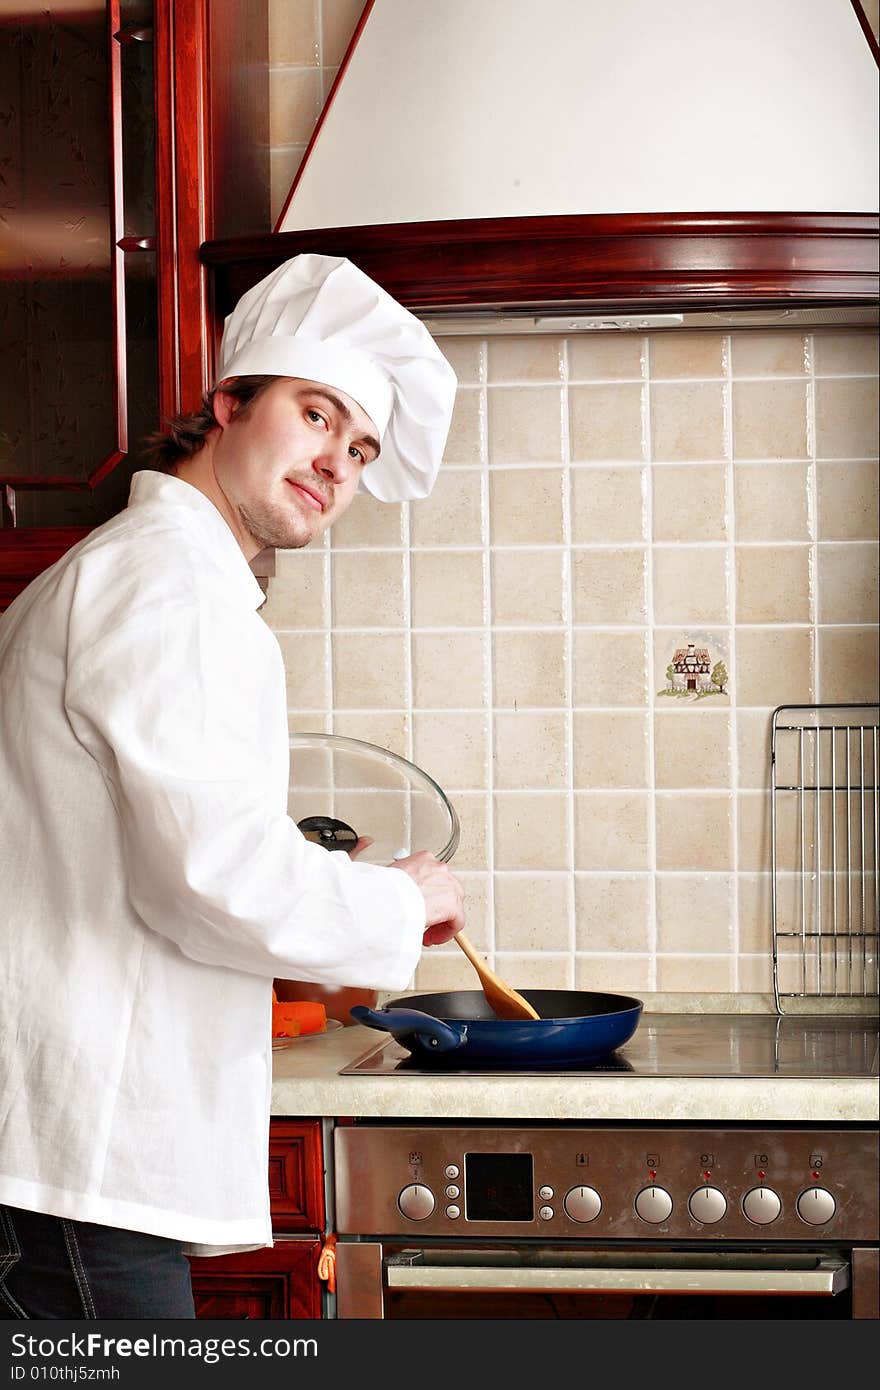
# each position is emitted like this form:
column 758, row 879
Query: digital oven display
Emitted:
column 498, row 1187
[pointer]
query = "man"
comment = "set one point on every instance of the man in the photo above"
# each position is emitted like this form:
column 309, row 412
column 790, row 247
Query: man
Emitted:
column 152, row 884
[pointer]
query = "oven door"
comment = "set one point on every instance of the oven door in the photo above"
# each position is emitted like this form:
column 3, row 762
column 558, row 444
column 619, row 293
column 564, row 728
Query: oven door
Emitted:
column 382, row 1280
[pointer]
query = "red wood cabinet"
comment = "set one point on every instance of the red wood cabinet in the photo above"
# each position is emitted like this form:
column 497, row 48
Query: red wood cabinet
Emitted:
column 281, row 1281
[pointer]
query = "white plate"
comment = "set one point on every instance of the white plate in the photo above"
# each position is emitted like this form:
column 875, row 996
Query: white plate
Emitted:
column 278, row 1044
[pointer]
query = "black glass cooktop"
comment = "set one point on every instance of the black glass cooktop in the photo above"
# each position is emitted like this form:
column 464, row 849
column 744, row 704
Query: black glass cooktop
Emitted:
column 690, row 1045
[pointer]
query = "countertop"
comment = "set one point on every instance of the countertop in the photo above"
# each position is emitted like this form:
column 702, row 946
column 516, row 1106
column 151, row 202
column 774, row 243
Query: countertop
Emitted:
column 306, row 1083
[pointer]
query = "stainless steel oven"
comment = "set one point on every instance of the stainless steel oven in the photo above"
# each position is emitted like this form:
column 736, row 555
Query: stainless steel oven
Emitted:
column 566, row 1220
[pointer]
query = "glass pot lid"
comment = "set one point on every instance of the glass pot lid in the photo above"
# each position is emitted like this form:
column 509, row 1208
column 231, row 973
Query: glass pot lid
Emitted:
column 342, row 788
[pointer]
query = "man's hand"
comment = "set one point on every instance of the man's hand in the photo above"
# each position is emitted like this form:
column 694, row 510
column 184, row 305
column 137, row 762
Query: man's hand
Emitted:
column 443, row 894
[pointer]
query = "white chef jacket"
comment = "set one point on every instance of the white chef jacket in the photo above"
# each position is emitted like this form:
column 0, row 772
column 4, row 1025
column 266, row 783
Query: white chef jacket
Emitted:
column 152, row 884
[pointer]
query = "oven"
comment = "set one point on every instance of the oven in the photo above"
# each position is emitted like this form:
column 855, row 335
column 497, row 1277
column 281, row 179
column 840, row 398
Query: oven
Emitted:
column 583, row 1220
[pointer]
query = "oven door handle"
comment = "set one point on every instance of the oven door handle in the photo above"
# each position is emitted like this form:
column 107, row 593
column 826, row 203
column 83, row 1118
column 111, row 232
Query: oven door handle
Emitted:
column 819, row 1274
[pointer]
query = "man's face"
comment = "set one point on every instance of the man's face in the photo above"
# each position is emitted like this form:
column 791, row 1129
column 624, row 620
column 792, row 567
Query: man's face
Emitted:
column 290, row 465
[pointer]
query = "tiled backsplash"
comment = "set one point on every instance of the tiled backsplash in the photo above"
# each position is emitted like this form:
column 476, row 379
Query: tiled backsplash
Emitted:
column 637, row 547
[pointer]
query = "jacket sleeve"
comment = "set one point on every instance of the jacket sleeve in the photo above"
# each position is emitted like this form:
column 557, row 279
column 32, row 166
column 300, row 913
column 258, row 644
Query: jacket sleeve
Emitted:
column 182, row 703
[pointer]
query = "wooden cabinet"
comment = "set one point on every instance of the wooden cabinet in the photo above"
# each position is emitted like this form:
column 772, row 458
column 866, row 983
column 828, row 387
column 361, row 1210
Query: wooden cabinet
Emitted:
column 130, row 130
column 281, row 1281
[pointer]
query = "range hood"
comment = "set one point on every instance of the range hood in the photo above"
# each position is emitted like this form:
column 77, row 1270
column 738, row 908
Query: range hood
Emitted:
column 550, row 166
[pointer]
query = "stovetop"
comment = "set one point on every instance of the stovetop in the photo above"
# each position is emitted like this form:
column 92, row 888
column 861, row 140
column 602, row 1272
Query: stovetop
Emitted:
column 690, row 1045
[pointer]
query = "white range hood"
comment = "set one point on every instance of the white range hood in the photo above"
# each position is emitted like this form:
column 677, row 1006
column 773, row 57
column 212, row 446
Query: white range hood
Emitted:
column 594, row 164
column 451, row 109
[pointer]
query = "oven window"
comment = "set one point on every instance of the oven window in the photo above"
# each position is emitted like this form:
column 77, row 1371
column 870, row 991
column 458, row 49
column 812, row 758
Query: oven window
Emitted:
column 498, row 1187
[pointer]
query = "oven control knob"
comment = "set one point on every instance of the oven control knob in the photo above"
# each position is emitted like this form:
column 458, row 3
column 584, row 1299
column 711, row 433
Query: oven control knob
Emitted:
column 707, row 1205
column 816, row 1206
column 582, row 1203
column 416, row 1201
column 762, row 1205
column 653, row 1204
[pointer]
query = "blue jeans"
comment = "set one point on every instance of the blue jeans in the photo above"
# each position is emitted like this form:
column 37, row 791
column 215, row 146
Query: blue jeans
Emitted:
column 54, row 1268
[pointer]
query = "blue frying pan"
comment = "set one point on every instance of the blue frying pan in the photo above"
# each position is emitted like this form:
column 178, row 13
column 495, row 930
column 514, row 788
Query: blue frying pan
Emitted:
column 459, row 1029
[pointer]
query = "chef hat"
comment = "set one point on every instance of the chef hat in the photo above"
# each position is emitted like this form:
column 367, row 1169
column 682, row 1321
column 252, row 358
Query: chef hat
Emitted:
column 323, row 319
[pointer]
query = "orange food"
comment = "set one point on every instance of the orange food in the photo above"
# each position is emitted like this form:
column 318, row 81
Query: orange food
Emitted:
column 291, row 1019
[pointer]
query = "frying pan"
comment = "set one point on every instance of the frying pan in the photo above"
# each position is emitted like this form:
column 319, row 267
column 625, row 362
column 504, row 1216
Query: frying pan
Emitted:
column 460, row 1029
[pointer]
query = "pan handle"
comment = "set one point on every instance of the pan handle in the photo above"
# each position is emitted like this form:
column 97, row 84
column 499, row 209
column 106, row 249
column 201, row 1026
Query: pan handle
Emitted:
column 431, row 1032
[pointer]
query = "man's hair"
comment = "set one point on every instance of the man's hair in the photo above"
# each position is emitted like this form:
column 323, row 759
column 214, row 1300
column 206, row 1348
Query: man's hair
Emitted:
column 184, row 435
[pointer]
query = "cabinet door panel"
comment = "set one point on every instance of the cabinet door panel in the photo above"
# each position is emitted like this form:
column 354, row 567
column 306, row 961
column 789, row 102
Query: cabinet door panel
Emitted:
column 281, row 1282
column 296, row 1177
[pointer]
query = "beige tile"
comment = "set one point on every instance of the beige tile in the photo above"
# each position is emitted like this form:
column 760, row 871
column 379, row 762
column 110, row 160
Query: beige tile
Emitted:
column 339, row 21
column 449, row 670
column 472, row 809
column 464, row 442
column 754, row 974
column 847, row 495
column 691, row 584
column 606, row 422
column 478, row 919
column 687, row 422
column 370, row 523
column 847, row 582
column 609, row 586
column 607, row 357
column 309, row 721
column 769, row 419
column 613, row 974
column 328, row 77
column 610, row 668
column 384, row 729
column 753, row 832
column 532, row 358
column 612, row 913
column 534, row 972
column 846, row 418
column 307, row 668
column 691, row 974
column 773, row 584
column 774, row 666
column 692, row 749
column 525, row 424
column 694, row 912
column 690, row 503
column 608, row 504
column 853, row 352
column 848, row 663
column 369, row 670
column 755, row 353
column 293, row 31
column 530, row 750
column 528, row 587
column 284, row 163
column 531, row 912
column 368, row 589
column 466, row 356
column 669, row 644
column 440, row 971
column 296, row 596
column 525, row 506
column 755, row 895
column 447, row 588
column 531, row 830
column 753, row 747
column 294, row 104
column 694, row 831
column 452, row 748
column 772, row 501
column 610, row 750
column 687, row 354
column 612, row 830
column 453, row 512
column 530, row 668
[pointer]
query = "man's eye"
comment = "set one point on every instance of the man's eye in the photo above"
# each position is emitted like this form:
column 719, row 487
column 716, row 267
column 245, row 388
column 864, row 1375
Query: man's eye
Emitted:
column 358, row 453
column 315, row 415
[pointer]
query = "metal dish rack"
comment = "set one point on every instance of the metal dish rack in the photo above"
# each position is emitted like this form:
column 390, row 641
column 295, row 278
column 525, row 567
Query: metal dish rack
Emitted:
column 824, row 853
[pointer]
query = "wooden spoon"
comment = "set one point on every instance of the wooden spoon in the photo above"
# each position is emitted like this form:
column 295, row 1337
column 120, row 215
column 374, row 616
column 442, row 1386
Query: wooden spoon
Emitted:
column 502, row 1000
